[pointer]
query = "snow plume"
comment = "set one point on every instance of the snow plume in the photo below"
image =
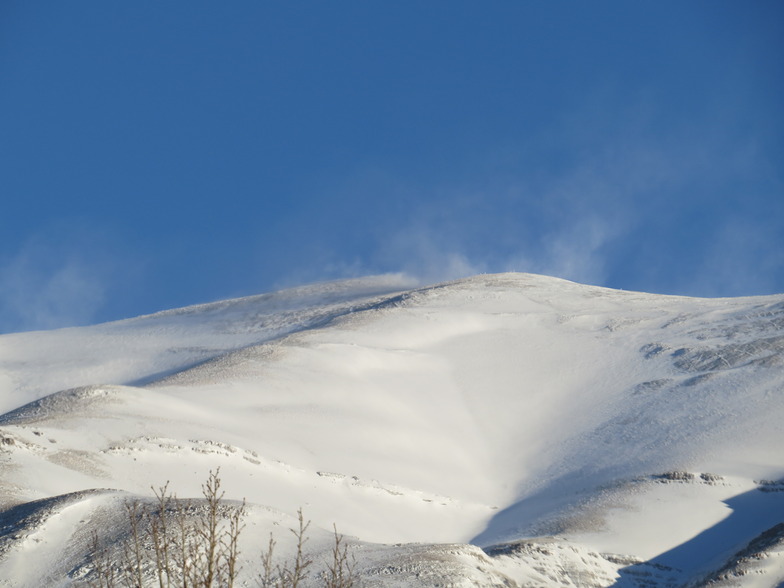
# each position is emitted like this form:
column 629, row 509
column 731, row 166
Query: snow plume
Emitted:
column 564, row 225
column 55, row 279
column 575, row 251
column 429, row 254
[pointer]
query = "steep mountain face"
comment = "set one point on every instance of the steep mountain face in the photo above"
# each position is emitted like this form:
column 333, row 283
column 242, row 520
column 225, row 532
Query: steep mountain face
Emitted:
column 503, row 430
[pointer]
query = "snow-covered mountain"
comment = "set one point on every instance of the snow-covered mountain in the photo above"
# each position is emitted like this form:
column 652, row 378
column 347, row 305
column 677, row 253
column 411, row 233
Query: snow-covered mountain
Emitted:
column 502, row 430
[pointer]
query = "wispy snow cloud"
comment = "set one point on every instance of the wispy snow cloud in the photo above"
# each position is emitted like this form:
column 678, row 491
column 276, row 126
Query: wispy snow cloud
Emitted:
column 619, row 196
column 57, row 278
column 429, row 256
column 574, row 252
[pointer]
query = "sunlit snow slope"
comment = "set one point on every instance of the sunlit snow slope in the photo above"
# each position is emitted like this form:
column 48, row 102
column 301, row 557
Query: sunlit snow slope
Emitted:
column 500, row 430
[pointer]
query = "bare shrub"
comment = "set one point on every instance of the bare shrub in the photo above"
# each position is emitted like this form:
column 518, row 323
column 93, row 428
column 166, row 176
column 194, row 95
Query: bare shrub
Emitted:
column 291, row 574
column 176, row 543
column 340, row 571
column 104, row 575
column 287, row 574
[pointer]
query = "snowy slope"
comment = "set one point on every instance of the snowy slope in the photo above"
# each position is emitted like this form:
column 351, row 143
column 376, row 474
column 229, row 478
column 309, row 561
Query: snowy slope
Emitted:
column 500, row 430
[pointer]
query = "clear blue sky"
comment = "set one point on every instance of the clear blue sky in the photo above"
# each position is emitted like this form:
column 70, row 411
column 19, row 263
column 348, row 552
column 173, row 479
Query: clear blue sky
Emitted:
column 157, row 154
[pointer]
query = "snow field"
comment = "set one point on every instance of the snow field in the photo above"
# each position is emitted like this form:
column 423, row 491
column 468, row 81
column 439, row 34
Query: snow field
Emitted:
column 599, row 434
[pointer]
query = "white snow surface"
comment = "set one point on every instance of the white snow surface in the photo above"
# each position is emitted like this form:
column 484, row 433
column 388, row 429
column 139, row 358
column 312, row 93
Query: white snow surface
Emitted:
column 507, row 429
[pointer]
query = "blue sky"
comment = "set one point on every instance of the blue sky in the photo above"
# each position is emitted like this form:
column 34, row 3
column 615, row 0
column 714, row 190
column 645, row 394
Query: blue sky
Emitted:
column 158, row 154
